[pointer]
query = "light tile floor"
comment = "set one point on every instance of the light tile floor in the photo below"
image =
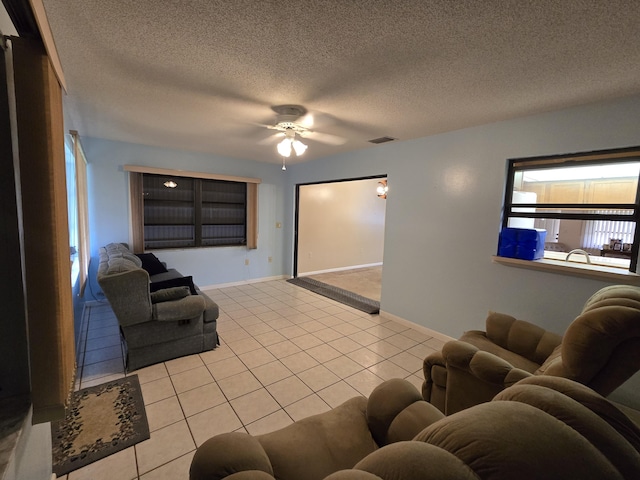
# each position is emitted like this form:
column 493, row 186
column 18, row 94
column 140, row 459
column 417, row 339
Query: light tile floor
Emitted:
column 285, row 353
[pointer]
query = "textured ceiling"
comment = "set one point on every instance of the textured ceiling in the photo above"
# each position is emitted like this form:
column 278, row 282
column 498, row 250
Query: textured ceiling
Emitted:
column 202, row 75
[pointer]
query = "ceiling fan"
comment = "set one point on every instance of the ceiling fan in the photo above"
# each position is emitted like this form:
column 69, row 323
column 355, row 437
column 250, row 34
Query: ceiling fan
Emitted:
column 294, row 121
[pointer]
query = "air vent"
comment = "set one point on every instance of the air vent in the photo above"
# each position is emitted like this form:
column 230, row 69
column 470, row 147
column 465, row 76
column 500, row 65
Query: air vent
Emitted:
column 382, row 140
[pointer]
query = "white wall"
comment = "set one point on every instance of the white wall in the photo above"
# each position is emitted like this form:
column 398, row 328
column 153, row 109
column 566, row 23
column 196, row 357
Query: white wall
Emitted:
column 109, row 217
column 340, row 225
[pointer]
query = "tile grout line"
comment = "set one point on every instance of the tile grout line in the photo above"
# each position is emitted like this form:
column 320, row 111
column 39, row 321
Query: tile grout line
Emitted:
column 280, row 305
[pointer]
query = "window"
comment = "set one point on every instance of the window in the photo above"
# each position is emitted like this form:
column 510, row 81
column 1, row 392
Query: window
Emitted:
column 586, row 201
column 180, row 209
column 193, row 212
column 72, row 209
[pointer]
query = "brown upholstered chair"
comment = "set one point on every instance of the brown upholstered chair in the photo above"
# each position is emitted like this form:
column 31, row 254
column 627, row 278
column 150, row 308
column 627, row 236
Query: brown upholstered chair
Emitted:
column 600, row 349
column 545, row 427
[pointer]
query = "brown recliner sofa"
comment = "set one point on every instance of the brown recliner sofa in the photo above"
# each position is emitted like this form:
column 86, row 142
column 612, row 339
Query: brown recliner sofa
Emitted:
column 600, row 349
column 542, row 428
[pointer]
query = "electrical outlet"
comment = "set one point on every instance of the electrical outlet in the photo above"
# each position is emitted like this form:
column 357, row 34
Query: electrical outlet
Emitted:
column 270, row 259
column 309, row 254
column 278, row 225
column 246, row 261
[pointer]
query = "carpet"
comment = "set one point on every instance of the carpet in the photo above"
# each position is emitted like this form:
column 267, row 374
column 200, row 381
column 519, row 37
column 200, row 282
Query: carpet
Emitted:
column 346, row 297
column 100, row 421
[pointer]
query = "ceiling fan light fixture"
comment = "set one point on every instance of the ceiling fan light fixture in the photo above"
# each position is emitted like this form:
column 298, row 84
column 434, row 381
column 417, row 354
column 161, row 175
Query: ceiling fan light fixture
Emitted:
column 290, row 142
column 284, row 147
column 299, row 147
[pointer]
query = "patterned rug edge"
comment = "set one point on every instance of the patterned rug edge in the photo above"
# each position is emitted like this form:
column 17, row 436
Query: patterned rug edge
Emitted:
column 133, row 426
column 346, row 297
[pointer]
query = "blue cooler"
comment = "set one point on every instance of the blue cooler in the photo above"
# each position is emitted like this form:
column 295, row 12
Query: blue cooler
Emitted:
column 523, row 243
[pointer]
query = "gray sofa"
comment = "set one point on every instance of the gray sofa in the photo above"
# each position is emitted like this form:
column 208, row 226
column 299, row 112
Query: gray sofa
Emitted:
column 162, row 315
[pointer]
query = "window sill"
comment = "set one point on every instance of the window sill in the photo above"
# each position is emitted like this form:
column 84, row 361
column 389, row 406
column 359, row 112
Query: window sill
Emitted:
column 596, row 272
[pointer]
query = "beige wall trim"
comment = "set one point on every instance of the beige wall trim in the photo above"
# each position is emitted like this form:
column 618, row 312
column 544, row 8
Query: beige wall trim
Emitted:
column 185, row 173
column 47, row 38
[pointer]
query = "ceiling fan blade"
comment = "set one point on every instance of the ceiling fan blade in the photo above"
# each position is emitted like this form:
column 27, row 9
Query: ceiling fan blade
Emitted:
column 271, row 139
column 324, row 137
column 307, row 120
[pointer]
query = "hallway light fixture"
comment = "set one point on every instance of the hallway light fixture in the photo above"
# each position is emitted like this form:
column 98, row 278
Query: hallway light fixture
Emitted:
column 382, row 189
column 170, row 184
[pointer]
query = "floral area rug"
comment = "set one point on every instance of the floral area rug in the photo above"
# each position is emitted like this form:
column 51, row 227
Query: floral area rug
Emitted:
column 100, row 421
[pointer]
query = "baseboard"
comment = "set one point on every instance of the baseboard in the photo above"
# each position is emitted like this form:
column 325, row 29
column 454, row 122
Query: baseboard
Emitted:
column 243, row 282
column 415, row 326
column 339, row 269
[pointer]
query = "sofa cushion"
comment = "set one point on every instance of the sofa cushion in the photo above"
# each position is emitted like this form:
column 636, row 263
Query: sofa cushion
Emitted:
column 524, row 338
column 116, row 247
column 168, row 275
column 555, row 359
column 151, row 263
column 168, row 294
column 132, row 258
column 479, row 340
column 174, row 282
column 120, row 265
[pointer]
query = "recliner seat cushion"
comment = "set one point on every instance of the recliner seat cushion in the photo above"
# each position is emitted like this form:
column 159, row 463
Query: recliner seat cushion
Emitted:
column 174, row 282
column 324, row 443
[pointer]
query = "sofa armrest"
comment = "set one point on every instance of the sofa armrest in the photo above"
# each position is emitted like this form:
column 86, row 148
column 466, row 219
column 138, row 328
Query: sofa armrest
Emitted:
column 236, row 455
column 128, row 294
column 397, row 412
column 431, row 360
column 183, row 309
column 434, row 370
column 482, row 365
column 211, row 309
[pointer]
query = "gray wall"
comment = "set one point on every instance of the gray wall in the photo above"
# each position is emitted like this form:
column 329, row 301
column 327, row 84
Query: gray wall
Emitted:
column 443, row 218
column 444, row 209
column 442, row 214
column 109, row 209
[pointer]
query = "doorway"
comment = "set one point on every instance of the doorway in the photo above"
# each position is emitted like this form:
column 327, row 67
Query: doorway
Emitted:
column 339, row 233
